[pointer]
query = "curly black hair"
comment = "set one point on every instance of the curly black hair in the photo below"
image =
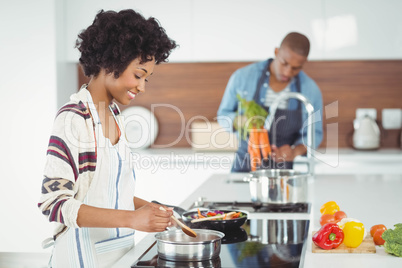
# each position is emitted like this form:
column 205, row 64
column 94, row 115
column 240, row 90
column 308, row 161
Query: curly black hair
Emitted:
column 117, row 38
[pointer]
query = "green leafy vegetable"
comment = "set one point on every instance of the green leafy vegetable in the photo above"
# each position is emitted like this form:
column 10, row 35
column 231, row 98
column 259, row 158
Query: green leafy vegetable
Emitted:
column 255, row 114
column 393, row 248
column 393, row 240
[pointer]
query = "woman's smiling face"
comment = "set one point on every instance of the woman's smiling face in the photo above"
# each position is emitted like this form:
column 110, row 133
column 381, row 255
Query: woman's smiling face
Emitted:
column 130, row 82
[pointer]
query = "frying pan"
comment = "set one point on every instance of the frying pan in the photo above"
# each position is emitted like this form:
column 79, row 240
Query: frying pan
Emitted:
column 219, row 225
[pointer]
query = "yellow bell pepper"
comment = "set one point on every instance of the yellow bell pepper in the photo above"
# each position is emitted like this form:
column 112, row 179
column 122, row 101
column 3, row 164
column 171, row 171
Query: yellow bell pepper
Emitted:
column 329, row 208
column 354, row 234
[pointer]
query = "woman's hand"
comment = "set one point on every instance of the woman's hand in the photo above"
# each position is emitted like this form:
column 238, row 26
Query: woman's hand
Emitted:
column 149, row 218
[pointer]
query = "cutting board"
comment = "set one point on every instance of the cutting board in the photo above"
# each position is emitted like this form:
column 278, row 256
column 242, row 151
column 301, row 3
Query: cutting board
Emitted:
column 367, row 246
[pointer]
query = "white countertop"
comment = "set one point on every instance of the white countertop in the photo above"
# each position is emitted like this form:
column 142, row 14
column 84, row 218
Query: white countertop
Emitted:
column 329, row 161
column 373, row 199
column 326, row 153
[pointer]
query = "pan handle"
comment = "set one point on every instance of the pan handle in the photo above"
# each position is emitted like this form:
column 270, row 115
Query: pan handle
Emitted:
column 178, row 210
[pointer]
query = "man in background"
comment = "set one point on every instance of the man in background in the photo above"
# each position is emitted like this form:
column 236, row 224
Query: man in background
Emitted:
column 263, row 82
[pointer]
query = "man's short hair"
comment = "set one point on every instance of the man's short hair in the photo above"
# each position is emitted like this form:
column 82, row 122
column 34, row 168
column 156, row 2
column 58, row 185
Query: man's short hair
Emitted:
column 297, row 42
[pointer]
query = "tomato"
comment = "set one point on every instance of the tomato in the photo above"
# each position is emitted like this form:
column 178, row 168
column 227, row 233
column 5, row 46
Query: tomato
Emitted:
column 327, row 218
column 376, row 227
column 377, row 237
column 339, row 215
column 211, row 214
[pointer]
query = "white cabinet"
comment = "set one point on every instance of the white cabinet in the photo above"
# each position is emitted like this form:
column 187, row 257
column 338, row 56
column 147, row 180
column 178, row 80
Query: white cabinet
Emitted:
column 236, row 30
column 363, row 29
column 249, row 30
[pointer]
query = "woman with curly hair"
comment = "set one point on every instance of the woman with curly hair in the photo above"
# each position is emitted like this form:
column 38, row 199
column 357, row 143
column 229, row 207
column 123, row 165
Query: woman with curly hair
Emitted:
column 88, row 186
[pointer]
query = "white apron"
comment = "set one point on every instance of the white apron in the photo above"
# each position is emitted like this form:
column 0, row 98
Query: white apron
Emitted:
column 112, row 187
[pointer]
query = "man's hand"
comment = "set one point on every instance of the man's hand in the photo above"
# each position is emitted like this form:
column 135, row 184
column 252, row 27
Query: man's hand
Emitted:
column 283, row 153
column 287, row 153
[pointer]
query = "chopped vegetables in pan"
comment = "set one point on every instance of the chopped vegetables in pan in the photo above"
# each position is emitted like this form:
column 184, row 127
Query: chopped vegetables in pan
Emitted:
column 212, row 213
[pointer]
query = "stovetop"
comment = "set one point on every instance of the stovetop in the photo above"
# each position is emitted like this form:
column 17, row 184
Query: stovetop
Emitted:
column 258, row 243
column 255, row 207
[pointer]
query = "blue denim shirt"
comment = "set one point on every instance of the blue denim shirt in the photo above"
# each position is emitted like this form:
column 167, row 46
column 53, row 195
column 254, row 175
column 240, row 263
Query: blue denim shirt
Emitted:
column 244, row 82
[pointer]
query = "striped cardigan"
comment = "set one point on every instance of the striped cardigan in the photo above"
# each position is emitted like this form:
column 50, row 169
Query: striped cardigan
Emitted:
column 70, row 163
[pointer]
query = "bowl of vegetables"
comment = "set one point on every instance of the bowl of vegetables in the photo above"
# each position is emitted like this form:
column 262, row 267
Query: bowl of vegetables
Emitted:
column 214, row 219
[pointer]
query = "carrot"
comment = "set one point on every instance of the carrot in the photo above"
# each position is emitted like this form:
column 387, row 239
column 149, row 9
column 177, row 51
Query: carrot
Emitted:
column 236, row 215
column 254, row 149
column 254, row 140
column 264, row 143
column 199, row 214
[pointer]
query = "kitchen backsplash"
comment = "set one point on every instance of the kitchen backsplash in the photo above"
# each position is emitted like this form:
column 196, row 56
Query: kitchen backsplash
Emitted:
column 180, row 94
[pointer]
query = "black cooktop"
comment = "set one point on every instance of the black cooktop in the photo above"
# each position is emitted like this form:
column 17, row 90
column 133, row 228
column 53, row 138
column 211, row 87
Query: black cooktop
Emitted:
column 258, row 243
column 257, row 207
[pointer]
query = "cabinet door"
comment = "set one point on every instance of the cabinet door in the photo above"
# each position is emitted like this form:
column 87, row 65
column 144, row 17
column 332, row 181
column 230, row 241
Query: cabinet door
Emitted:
column 362, row 29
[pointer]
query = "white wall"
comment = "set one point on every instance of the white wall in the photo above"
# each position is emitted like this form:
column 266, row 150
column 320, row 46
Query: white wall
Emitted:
column 67, row 75
column 28, row 106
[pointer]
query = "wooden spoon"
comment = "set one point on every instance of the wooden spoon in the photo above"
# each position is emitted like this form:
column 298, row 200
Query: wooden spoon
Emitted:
column 187, row 230
column 228, row 216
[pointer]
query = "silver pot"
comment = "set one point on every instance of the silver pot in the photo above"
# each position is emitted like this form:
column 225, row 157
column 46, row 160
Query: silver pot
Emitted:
column 278, row 186
column 174, row 245
column 278, row 231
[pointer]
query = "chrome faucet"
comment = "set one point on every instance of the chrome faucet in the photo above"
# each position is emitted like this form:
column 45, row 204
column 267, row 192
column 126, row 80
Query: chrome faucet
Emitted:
column 310, row 130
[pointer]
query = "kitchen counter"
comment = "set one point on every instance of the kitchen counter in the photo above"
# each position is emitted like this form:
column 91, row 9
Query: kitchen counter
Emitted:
column 373, row 199
column 346, row 153
column 329, row 161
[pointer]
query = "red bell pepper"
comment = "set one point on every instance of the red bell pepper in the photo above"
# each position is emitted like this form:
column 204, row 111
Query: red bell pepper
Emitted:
column 329, row 236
